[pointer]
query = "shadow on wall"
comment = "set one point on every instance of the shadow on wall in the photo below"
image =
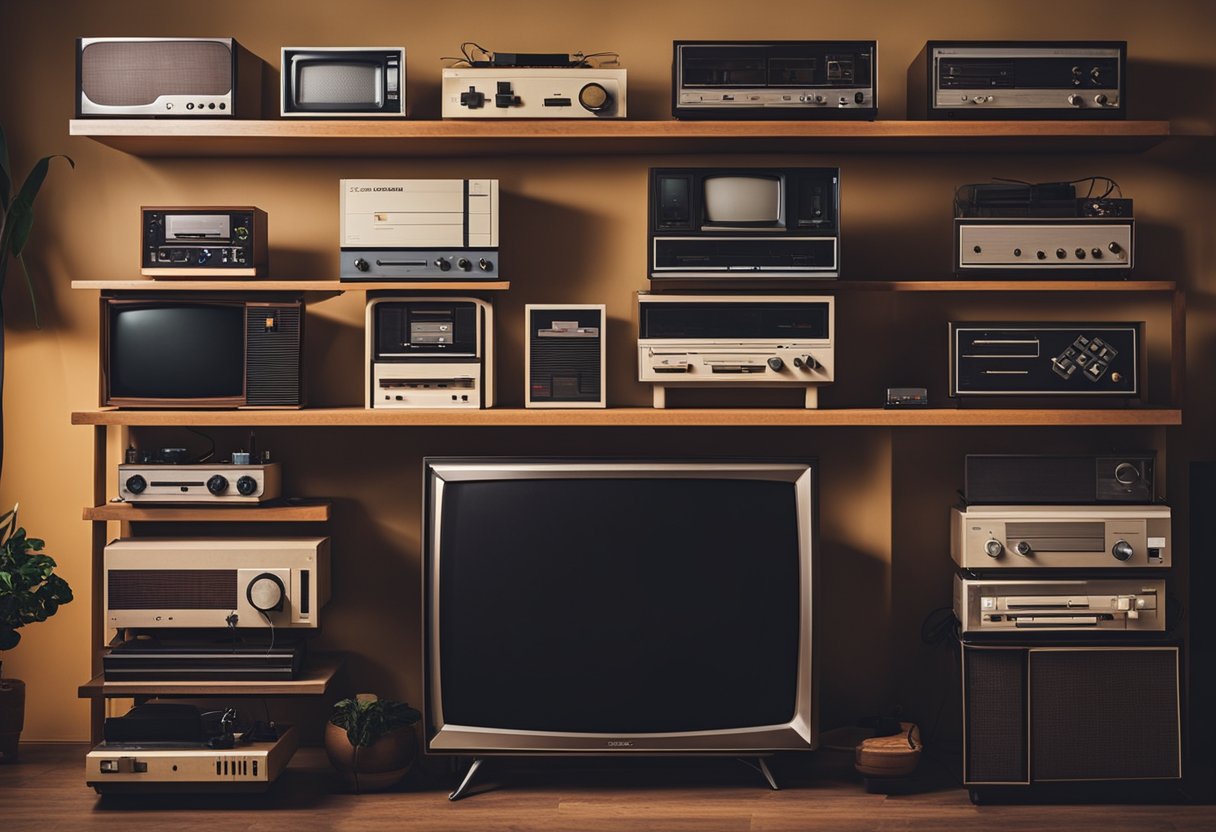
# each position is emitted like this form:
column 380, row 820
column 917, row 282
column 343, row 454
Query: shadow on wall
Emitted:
column 1175, row 92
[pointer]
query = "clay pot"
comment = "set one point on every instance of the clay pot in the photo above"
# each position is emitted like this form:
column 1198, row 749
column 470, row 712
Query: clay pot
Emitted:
column 379, row 766
column 12, row 717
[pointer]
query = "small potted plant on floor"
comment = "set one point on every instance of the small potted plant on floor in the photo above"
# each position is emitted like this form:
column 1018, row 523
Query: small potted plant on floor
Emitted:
column 29, row 591
column 371, row 741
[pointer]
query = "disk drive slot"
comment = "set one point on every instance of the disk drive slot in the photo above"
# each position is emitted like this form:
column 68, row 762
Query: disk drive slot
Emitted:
column 177, row 483
column 1060, row 537
column 1003, row 348
column 400, row 262
column 426, row 383
column 1032, row 601
column 735, row 367
column 1057, row 620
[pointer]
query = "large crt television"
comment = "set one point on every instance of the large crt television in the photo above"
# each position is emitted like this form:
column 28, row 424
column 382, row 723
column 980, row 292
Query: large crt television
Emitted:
column 606, row 606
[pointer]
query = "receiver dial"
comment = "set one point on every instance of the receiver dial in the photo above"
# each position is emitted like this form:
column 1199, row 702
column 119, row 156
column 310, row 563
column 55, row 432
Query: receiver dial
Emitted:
column 136, row 484
column 594, row 98
column 246, row 485
column 993, row 548
column 1127, row 474
column 266, row 593
column 1122, row 550
column 1024, row 549
column 217, row 484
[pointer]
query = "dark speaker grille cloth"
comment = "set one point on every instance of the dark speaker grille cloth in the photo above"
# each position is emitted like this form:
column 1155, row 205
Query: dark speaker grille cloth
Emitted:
column 172, row 589
column 126, row 74
column 996, row 715
column 1104, row 714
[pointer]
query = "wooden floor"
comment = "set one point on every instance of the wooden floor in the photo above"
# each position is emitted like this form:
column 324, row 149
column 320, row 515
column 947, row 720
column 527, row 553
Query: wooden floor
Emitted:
column 45, row 791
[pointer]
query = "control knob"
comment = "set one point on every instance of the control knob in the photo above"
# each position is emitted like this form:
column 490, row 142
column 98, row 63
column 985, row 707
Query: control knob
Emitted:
column 993, row 548
column 1101, row 100
column 1122, row 550
column 136, row 484
column 246, row 485
column 776, row 364
column 808, row 362
column 1080, row 253
column 1075, row 100
column 594, row 98
column 1125, row 474
column 442, row 264
column 463, row 264
column 361, row 264
column 1114, row 247
column 1061, row 253
column 218, row 484
column 1023, row 548
column 485, row 265
column 266, row 593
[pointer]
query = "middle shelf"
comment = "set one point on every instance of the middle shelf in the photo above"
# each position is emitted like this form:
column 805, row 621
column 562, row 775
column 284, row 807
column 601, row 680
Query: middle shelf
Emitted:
column 861, row 417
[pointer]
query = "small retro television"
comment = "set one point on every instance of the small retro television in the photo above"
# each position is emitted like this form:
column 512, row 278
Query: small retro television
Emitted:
column 739, row 223
column 341, row 81
column 201, row 351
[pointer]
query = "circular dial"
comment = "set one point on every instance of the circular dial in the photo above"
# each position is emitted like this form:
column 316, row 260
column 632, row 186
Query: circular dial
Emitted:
column 776, row 364
column 218, row 484
column 993, row 548
column 361, row 264
column 1023, row 548
column 1122, row 550
column 266, row 593
column 594, row 98
column 442, row 264
column 136, row 484
column 1125, row 474
column 246, row 485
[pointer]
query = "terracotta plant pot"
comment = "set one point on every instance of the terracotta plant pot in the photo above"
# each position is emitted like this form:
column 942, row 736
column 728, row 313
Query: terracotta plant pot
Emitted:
column 379, row 766
column 12, row 717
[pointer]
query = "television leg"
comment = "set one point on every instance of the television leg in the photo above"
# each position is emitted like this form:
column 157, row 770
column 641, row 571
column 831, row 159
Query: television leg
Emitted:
column 660, row 396
column 468, row 778
column 812, row 397
column 762, row 766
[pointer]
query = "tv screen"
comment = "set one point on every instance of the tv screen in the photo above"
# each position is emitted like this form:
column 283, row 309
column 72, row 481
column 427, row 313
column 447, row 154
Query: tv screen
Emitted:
column 743, row 200
column 176, row 351
column 654, row 605
column 330, row 83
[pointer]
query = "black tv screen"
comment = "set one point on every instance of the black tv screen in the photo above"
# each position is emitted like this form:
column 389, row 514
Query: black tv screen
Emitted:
column 626, row 604
column 176, row 351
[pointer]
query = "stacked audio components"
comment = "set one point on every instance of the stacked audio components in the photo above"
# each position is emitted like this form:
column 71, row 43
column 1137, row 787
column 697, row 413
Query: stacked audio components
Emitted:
column 1061, row 596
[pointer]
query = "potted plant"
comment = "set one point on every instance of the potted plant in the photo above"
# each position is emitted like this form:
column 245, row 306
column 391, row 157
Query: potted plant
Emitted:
column 371, row 741
column 29, row 591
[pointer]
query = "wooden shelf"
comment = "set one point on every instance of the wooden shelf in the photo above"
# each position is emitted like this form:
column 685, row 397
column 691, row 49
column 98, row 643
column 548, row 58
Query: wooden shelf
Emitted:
column 297, row 511
column 152, row 137
column 1115, row 285
column 261, row 285
column 634, row 417
column 318, row 675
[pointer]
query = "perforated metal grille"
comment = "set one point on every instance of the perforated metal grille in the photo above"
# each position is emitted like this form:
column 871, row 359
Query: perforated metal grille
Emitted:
column 338, row 83
column 132, row 73
column 273, row 360
column 995, row 720
column 1104, row 714
column 172, row 589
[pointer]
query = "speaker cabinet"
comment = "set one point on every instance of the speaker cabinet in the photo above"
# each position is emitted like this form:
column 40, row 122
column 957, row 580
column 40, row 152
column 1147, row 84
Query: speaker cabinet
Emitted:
column 1042, row 714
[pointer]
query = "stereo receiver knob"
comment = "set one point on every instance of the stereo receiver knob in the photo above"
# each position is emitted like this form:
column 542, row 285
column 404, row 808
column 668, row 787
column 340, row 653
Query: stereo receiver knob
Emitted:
column 463, row 264
column 594, row 98
column 1114, row 247
column 1023, row 548
column 776, row 364
column 1125, row 474
column 266, row 593
column 1075, row 100
column 1042, row 255
column 1061, row 253
column 485, row 265
column 1097, row 253
column 1080, row 253
column 218, row 484
column 246, row 485
column 1100, row 100
column 443, row 265
column 361, row 264
column 136, row 484
column 1122, row 550
column 993, row 548
column 808, row 362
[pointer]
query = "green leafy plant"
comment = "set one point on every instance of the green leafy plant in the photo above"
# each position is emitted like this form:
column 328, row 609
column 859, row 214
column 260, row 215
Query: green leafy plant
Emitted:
column 367, row 718
column 29, row 588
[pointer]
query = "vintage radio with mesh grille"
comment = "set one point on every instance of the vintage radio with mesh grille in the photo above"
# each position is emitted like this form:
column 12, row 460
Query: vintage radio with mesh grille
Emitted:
column 218, row 582
column 1040, row 714
column 167, row 78
column 564, row 357
column 202, row 351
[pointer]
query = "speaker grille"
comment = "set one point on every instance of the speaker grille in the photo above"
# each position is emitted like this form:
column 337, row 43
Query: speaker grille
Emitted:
column 339, row 83
column 1104, row 714
column 995, row 719
column 172, row 589
column 273, row 360
column 118, row 74
column 564, row 368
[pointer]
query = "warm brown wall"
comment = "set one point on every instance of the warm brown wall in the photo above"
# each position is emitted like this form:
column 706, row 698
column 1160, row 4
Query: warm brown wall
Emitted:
column 573, row 232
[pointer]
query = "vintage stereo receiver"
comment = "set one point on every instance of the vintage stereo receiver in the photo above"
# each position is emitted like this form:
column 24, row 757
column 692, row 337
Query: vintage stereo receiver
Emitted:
column 742, row 223
column 203, row 242
column 339, row 81
column 167, row 77
column 794, row 79
column 216, row 582
column 1039, row 714
column 1019, row 80
column 412, row 229
column 179, row 350
column 736, row 341
column 533, row 92
column 1008, row 479
column 1034, row 246
column 199, row 483
column 1060, row 537
column 564, row 355
column 153, row 767
column 1121, row 605
column 1028, row 360
column 429, row 352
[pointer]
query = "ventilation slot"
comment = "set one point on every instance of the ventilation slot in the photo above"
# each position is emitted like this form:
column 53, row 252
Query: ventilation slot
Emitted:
column 565, row 369
column 273, row 360
column 172, row 589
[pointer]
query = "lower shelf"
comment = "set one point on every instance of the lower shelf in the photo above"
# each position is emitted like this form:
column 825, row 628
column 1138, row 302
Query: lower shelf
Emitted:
column 316, row 679
column 637, row 417
column 292, row 511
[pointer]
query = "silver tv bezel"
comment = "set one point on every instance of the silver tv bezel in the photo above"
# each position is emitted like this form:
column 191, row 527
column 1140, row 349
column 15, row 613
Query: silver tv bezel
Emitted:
column 800, row 732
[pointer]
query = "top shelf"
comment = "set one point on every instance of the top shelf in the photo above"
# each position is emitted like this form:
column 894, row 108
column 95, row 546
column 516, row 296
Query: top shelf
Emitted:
column 165, row 137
